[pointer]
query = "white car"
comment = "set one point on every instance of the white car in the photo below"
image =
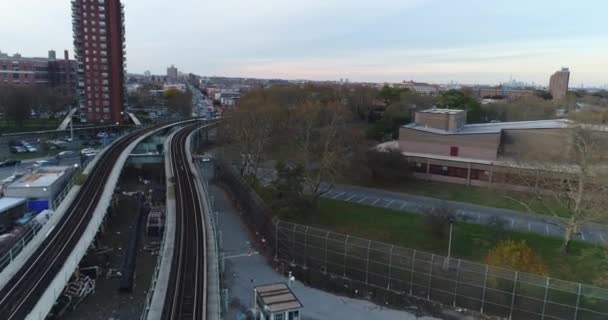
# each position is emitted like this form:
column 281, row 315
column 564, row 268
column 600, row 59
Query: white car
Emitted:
column 42, row 163
column 89, row 152
column 102, row 135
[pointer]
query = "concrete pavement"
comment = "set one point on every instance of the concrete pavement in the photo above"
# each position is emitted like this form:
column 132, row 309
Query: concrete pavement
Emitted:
column 509, row 219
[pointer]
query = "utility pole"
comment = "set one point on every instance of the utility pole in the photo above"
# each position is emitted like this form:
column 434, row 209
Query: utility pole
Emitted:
column 72, row 128
column 447, row 261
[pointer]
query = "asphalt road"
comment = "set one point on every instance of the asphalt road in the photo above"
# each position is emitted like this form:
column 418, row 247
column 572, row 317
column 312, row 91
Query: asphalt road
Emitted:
column 509, row 219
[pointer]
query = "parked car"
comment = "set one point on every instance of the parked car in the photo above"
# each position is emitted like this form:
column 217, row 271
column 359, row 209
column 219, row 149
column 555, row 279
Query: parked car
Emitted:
column 102, row 135
column 18, row 149
column 30, row 148
column 89, row 152
column 67, row 154
column 41, row 163
column 9, row 163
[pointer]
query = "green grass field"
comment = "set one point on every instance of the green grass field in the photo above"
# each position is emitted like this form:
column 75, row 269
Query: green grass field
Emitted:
column 472, row 242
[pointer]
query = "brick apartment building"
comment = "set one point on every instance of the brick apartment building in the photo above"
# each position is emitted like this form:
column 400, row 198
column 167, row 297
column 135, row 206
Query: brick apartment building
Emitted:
column 440, row 146
column 99, row 41
column 48, row 71
column 558, row 83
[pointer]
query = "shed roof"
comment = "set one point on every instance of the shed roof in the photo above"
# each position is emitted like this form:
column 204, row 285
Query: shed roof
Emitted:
column 278, row 297
column 41, row 178
column 7, row 203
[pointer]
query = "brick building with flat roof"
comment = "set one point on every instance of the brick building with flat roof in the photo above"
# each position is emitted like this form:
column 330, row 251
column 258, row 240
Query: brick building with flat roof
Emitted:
column 99, row 42
column 32, row 71
column 440, row 146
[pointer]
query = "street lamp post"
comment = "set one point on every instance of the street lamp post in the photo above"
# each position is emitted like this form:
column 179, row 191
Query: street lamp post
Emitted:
column 447, row 261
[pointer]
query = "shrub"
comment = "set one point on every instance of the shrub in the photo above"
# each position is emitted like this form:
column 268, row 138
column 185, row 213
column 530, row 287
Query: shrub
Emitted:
column 79, row 179
column 516, row 255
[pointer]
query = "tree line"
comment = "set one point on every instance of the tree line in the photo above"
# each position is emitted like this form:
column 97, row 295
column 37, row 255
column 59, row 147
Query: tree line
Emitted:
column 18, row 102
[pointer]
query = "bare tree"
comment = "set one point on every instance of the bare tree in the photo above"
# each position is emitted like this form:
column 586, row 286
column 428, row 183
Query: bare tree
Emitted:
column 249, row 127
column 575, row 185
column 319, row 133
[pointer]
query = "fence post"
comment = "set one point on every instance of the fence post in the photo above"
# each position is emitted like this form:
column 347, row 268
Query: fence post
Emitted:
column 542, row 316
column 276, row 241
column 369, row 246
column 457, row 281
column 428, row 288
column 513, row 295
column 390, row 267
column 305, row 247
column 412, row 274
column 293, row 244
column 325, row 262
column 483, row 293
column 578, row 301
column 345, row 253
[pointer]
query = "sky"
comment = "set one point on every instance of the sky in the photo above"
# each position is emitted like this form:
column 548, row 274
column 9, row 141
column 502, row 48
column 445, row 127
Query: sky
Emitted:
column 465, row 41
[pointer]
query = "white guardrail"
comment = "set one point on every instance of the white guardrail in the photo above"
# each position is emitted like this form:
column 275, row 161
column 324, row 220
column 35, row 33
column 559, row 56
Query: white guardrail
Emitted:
column 213, row 274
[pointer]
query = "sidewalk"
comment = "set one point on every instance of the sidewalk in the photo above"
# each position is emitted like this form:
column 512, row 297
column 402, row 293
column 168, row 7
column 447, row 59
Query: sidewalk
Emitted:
column 244, row 269
column 514, row 220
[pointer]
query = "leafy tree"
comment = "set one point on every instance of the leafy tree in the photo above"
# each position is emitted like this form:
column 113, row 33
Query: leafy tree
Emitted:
column 177, row 101
column 545, row 95
column 360, row 99
column 391, row 94
column 522, row 109
column 17, row 103
column 388, row 165
column 516, row 255
column 457, row 99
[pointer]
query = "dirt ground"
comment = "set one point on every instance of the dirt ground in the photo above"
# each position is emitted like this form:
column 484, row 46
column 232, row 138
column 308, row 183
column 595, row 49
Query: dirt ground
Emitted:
column 108, row 302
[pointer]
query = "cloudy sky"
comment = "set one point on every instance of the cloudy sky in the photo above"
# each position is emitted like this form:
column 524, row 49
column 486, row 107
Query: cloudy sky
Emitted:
column 467, row 41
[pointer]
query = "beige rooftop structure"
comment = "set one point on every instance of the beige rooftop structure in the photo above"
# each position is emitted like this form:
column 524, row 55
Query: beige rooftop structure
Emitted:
column 277, row 302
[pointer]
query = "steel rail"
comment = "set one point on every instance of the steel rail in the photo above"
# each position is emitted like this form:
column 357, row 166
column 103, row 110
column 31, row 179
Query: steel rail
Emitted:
column 186, row 294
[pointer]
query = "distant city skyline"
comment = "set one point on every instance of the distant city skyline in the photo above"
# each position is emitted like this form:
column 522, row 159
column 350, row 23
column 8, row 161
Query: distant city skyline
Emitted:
column 467, row 41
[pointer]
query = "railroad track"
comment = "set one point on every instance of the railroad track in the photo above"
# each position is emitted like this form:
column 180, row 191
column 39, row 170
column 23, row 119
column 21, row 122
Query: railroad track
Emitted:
column 186, row 296
column 21, row 293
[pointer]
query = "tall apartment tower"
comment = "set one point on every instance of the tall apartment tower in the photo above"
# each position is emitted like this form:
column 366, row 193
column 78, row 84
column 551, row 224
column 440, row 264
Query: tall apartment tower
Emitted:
column 100, row 50
column 172, row 73
column 558, row 84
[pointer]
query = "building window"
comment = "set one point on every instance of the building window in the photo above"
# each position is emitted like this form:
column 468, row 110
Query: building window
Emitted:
column 294, row 315
column 454, row 151
column 279, row 317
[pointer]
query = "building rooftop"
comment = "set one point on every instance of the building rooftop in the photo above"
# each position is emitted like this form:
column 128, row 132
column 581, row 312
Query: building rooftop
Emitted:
column 441, row 111
column 7, row 203
column 41, row 178
column 278, row 297
column 497, row 127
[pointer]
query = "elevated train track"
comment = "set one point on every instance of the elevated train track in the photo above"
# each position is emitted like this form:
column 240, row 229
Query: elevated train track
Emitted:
column 186, row 296
column 22, row 291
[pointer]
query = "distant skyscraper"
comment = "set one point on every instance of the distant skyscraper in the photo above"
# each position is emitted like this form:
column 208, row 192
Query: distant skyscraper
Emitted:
column 99, row 44
column 558, row 84
column 147, row 74
column 172, row 73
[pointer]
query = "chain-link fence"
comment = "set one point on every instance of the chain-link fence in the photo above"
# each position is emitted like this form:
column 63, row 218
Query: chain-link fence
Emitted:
column 331, row 260
column 460, row 283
